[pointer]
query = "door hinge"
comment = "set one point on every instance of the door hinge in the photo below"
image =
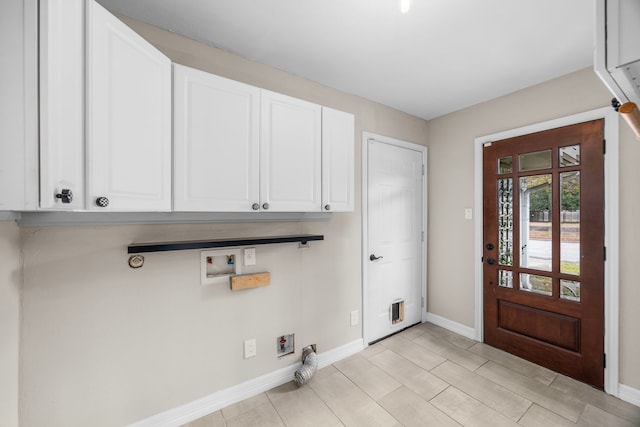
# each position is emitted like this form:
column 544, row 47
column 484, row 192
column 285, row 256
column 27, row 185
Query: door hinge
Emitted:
column 422, row 170
column 422, row 236
column 604, row 360
column 422, row 303
column 604, row 146
column 604, row 253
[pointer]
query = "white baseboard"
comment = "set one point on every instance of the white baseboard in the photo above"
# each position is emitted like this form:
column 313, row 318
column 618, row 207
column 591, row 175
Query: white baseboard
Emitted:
column 629, row 394
column 199, row 408
column 456, row 327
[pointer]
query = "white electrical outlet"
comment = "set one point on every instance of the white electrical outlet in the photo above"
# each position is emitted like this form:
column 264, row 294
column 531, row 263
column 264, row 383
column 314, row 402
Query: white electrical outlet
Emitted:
column 250, row 256
column 354, row 317
column 468, row 213
column 250, row 348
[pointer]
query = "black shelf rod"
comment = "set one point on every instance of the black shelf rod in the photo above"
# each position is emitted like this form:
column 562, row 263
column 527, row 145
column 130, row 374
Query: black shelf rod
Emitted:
column 138, row 248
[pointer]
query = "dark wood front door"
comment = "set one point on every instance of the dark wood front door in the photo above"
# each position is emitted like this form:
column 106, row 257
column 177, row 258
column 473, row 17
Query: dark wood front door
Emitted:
column 544, row 248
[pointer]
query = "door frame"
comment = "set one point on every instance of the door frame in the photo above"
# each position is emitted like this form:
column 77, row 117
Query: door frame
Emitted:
column 611, row 223
column 366, row 136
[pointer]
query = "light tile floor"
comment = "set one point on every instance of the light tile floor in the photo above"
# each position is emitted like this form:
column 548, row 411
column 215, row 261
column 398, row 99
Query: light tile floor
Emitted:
column 429, row 376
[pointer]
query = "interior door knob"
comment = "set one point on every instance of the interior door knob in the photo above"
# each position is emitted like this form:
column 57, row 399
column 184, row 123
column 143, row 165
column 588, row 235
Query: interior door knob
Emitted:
column 491, row 261
column 372, row 257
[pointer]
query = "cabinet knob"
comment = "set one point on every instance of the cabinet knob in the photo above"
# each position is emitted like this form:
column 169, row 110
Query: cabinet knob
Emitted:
column 65, row 196
column 265, row 206
column 102, row 202
column 255, row 206
column 327, row 207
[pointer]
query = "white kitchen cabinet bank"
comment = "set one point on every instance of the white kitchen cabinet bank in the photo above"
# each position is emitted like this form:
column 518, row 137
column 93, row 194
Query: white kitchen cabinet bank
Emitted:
column 104, row 111
column 238, row 148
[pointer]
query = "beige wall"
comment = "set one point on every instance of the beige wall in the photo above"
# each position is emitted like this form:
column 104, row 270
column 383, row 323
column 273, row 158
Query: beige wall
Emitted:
column 451, row 189
column 10, row 281
column 103, row 344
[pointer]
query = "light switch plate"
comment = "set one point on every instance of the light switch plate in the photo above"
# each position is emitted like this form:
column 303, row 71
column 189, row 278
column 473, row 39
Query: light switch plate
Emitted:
column 468, row 213
column 250, row 256
column 354, row 317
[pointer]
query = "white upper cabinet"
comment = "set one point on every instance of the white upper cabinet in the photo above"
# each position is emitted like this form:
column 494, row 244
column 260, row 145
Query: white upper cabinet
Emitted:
column 290, row 154
column 337, row 160
column 62, row 104
column 128, row 118
column 216, row 143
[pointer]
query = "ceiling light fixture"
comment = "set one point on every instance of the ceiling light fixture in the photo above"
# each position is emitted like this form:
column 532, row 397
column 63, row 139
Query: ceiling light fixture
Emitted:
column 405, row 6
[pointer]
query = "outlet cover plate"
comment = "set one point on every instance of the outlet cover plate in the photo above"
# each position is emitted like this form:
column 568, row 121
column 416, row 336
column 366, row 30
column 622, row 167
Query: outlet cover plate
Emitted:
column 250, row 256
column 354, row 317
column 250, row 349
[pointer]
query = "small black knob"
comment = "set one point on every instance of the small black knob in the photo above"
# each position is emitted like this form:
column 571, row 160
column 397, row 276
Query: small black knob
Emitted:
column 255, row 206
column 327, row 207
column 65, row 196
column 102, row 202
column 265, row 206
column 491, row 261
column 490, row 246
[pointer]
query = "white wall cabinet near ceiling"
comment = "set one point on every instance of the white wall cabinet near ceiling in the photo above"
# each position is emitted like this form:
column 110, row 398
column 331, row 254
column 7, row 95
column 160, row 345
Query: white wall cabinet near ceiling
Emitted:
column 290, row 154
column 238, row 148
column 216, row 143
column 105, row 113
column 337, row 160
column 617, row 54
column 128, row 118
column 61, row 38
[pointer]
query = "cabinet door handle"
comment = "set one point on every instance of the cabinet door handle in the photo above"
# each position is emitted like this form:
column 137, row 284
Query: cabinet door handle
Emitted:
column 327, row 207
column 65, row 196
column 255, row 206
column 102, row 202
column 265, row 206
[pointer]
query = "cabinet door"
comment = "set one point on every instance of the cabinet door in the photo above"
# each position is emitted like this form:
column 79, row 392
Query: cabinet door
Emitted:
column 62, row 104
column 337, row 160
column 290, row 154
column 128, row 118
column 216, row 143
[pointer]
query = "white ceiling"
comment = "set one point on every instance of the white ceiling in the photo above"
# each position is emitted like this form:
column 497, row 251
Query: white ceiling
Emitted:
column 442, row 56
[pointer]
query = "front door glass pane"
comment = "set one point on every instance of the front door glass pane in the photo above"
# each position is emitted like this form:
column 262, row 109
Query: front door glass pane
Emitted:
column 505, row 165
column 569, row 156
column 570, row 223
column 505, row 278
column 535, row 222
column 505, row 221
column 534, row 283
column 534, row 161
column 570, row 290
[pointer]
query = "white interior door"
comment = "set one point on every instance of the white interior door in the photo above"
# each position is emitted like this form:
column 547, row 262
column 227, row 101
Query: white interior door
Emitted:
column 395, row 233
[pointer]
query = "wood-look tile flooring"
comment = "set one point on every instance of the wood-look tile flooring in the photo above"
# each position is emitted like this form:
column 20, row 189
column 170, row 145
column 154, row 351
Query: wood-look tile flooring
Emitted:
column 429, row 376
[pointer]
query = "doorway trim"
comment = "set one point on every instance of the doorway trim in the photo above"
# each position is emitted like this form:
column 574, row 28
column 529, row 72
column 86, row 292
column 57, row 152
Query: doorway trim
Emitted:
column 611, row 220
column 366, row 136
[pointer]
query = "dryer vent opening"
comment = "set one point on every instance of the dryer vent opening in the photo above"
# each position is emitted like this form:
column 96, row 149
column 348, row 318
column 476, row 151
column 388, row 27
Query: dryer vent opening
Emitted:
column 397, row 311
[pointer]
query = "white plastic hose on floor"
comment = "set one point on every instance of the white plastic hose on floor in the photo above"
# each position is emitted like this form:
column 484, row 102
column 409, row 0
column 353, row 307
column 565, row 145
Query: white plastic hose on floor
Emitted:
column 308, row 368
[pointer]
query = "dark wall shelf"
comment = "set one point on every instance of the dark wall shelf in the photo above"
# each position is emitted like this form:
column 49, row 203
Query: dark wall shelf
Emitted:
column 137, row 248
